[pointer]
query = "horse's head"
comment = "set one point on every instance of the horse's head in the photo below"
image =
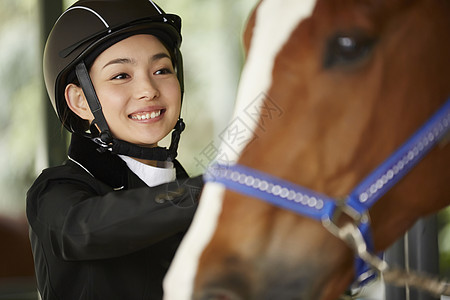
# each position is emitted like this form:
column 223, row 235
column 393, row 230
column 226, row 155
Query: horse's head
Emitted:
column 338, row 86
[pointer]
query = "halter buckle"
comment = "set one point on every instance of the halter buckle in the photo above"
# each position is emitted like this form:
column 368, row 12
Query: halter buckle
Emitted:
column 342, row 209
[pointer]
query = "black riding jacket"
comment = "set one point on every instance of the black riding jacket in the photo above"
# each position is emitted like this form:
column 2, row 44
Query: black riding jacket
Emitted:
column 98, row 232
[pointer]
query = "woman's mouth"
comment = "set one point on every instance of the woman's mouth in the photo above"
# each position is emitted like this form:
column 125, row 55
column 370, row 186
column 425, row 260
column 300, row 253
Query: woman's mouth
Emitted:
column 146, row 115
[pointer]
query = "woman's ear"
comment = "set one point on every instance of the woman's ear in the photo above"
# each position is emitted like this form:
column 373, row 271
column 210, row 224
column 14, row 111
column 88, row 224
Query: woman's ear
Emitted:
column 77, row 102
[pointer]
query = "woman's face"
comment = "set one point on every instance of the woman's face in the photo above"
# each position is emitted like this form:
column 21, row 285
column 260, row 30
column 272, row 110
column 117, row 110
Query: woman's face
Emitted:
column 138, row 89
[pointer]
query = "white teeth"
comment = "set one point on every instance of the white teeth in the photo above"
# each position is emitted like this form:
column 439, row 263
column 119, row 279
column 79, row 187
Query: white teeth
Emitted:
column 146, row 116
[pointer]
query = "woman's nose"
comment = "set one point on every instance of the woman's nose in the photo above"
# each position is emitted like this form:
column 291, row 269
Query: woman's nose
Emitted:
column 146, row 89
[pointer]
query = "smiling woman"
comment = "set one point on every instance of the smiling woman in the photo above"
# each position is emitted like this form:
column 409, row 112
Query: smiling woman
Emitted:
column 23, row 152
column 213, row 56
column 111, row 217
column 120, row 76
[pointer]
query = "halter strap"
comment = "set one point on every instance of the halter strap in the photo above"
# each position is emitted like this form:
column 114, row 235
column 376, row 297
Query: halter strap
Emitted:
column 320, row 207
column 385, row 176
column 272, row 189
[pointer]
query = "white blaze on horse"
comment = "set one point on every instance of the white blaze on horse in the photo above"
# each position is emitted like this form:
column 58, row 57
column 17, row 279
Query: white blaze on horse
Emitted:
column 330, row 89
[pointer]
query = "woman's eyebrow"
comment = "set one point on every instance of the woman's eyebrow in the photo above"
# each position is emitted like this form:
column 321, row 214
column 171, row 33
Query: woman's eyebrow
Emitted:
column 159, row 56
column 119, row 61
column 155, row 57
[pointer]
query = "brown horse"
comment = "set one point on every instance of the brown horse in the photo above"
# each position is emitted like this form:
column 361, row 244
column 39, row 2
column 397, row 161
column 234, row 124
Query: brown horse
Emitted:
column 329, row 90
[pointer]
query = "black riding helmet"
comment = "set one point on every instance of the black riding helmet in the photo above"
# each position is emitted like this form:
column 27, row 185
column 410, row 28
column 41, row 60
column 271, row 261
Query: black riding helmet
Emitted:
column 72, row 47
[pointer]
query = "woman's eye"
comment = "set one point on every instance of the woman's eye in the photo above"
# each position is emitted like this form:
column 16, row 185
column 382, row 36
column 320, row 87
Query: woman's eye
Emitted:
column 121, row 76
column 163, row 71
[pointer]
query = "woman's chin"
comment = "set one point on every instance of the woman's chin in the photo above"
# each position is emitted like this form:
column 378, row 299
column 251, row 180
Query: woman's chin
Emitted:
column 145, row 143
column 147, row 140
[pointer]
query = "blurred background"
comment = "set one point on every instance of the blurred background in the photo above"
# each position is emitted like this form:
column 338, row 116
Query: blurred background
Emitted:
column 31, row 137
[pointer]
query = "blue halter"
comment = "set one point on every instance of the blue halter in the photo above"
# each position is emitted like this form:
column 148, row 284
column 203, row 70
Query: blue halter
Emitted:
column 320, row 207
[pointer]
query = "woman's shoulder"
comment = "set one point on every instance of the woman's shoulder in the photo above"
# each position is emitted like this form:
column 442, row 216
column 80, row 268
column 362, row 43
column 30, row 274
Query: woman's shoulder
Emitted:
column 70, row 169
column 68, row 172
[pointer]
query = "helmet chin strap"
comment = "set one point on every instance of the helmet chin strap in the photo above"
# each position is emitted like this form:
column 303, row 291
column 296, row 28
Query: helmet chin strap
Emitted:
column 94, row 104
column 102, row 135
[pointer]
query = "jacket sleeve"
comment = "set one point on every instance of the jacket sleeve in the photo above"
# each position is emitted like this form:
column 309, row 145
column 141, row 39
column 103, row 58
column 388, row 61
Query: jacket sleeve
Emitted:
column 79, row 224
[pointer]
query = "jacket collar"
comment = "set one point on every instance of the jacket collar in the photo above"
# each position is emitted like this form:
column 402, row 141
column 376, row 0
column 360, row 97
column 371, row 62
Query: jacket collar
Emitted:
column 106, row 167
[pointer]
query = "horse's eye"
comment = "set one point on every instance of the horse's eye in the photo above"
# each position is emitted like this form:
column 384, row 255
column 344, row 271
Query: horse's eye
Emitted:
column 347, row 49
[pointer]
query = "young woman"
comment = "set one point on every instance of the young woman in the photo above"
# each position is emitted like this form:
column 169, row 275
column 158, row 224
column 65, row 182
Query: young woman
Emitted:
column 106, row 224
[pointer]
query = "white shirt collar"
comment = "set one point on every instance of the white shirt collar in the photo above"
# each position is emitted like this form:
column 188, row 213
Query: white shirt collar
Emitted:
column 152, row 176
